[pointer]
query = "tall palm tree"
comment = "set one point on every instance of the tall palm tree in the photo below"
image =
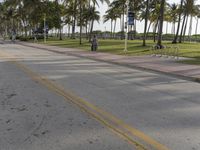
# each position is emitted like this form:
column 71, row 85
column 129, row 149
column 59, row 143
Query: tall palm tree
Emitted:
column 73, row 5
column 111, row 14
column 58, row 13
column 197, row 10
column 192, row 14
column 94, row 4
column 168, row 19
column 179, row 22
column 82, row 4
column 184, row 23
column 120, row 5
column 146, row 22
column 189, row 10
column 173, row 10
column 68, row 15
column 154, row 16
column 161, row 19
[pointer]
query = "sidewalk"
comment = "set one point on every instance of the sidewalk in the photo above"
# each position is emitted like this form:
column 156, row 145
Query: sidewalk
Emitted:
column 164, row 65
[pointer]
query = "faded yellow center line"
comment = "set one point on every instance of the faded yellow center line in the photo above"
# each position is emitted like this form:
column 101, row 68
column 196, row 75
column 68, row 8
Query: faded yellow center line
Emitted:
column 125, row 131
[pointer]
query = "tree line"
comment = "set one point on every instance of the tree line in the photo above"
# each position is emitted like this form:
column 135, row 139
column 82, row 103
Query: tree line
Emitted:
column 26, row 16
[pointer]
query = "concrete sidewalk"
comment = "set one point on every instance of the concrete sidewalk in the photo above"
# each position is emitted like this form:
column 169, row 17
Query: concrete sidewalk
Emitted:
column 164, row 65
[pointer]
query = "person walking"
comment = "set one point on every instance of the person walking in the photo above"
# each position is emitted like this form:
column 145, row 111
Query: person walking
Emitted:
column 35, row 35
column 13, row 36
column 94, row 43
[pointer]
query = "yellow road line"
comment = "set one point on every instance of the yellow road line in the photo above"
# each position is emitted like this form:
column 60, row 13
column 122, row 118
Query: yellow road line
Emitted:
column 120, row 128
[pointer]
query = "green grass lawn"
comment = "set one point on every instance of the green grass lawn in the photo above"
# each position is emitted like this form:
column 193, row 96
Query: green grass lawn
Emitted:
column 110, row 46
column 135, row 48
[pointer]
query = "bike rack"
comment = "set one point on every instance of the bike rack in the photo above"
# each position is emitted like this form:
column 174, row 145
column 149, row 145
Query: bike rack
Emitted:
column 165, row 51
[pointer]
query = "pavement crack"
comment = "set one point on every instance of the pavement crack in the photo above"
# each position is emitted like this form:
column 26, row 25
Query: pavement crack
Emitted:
column 33, row 133
column 11, row 95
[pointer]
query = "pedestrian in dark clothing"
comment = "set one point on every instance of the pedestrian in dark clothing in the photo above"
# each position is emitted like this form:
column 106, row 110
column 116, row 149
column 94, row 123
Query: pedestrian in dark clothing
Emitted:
column 13, row 38
column 94, row 43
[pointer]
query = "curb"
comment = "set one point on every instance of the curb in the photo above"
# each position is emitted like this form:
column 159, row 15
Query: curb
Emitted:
column 132, row 66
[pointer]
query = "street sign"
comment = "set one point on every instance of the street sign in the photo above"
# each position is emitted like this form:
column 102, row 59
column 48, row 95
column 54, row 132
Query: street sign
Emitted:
column 131, row 18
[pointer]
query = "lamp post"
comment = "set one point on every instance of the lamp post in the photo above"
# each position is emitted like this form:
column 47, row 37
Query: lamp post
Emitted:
column 126, row 37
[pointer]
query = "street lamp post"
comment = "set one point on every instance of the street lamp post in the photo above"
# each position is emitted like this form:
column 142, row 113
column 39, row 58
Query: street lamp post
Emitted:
column 126, row 37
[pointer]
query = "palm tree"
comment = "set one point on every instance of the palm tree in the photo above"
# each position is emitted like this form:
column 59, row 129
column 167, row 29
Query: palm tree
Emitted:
column 28, row 12
column 192, row 14
column 81, row 24
column 82, row 4
column 58, row 13
column 68, row 15
column 72, row 5
column 154, row 16
column 120, row 6
column 3, row 20
column 135, row 7
column 197, row 10
column 168, row 18
column 146, row 22
column 173, row 10
column 161, row 19
column 189, row 9
column 179, row 22
column 111, row 14
column 184, row 23
column 95, row 2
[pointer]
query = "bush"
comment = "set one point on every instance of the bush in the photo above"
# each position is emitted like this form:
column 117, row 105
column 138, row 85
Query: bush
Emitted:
column 22, row 38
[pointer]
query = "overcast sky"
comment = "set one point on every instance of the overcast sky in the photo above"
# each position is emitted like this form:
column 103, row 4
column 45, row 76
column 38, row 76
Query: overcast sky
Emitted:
column 140, row 25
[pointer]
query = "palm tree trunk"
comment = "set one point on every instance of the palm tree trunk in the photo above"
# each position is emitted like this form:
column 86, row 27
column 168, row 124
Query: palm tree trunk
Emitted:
column 91, row 29
column 146, row 22
column 25, row 29
column 92, row 23
column 68, row 30
column 197, row 27
column 179, row 22
column 159, row 43
column 154, row 31
column 148, row 29
column 74, row 20
column 174, row 28
column 6, row 29
column 182, row 29
column 111, row 23
column 80, row 38
column 89, row 26
column 167, row 27
column 185, row 28
column 60, row 33
column 122, row 30
column 190, row 28
column 86, row 28
column 114, row 27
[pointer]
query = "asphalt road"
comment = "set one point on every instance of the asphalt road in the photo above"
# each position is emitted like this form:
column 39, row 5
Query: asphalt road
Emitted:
column 57, row 102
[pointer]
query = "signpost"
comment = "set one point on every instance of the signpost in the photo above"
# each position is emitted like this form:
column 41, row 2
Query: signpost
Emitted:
column 129, row 21
column 131, row 18
column 126, row 38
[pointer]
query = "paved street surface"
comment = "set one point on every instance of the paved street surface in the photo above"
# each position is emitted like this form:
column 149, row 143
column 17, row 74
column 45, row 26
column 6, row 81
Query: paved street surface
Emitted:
column 112, row 108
